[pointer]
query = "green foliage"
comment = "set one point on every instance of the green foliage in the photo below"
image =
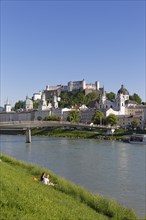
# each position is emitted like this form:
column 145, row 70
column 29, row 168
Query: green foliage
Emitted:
column 23, row 198
column 71, row 133
column 69, row 99
column 52, row 118
column 73, row 116
column 76, row 97
column 112, row 119
column 98, row 117
column 64, row 102
column 35, row 104
column 136, row 98
column 97, row 133
column 110, row 96
column 91, row 97
column 18, row 105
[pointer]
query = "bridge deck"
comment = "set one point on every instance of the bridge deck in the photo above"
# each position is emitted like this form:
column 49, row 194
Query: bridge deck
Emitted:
column 41, row 124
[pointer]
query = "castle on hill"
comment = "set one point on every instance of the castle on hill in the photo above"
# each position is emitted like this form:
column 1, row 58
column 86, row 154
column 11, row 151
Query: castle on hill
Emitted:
column 48, row 99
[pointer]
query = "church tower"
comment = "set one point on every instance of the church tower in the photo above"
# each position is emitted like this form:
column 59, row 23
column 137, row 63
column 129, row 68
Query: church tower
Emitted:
column 7, row 106
column 43, row 102
column 122, row 96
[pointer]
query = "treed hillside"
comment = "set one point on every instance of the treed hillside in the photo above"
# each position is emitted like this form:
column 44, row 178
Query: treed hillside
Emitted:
column 78, row 97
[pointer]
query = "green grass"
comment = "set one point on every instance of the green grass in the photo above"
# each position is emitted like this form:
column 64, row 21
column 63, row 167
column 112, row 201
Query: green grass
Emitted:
column 24, row 199
column 58, row 132
column 84, row 133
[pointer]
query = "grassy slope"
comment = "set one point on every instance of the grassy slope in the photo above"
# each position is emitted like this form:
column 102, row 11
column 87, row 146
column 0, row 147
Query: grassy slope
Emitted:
column 96, row 134
column 58, row 132
column 24, row 199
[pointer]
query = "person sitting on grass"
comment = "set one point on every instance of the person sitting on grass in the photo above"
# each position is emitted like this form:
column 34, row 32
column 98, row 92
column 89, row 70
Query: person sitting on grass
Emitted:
column 42, row 176
column 46, row 180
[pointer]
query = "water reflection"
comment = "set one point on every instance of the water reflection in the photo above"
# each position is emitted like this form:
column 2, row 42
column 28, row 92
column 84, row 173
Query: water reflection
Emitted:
column 28, row 148
column 123, row 159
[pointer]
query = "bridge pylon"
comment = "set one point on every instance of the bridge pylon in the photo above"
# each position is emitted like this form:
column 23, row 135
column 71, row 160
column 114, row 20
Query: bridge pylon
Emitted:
column 28, row 135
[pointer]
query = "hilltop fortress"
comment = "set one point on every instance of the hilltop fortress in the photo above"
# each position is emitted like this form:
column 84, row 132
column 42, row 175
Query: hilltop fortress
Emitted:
column 75, row 85
column 125, row 109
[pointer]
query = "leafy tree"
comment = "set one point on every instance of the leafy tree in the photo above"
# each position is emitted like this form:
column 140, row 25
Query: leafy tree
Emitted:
column 19, row 105
column 73, row 116
column 136, row 98
column 35, row 104
column 69, row 99
column 98, row 117
column 52, row 118
column 76, row 97
column 64, row 99
column 110, row 96
column 91, row 97
column 112, row 119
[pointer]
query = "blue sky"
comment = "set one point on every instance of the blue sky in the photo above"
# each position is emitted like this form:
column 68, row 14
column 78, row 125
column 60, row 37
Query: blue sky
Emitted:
column 53, row 42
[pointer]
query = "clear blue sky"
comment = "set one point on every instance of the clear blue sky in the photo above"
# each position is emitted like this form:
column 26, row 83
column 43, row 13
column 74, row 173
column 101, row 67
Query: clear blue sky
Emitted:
column 53, row 42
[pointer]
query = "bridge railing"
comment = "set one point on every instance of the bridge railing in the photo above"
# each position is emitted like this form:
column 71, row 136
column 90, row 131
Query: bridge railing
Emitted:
column 36, row 123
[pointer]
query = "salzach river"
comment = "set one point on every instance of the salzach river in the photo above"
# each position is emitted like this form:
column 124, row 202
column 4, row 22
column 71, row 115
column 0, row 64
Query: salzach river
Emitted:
column 113, row 169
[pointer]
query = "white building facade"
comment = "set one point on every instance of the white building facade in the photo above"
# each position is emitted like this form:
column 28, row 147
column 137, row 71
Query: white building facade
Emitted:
column 117, row 106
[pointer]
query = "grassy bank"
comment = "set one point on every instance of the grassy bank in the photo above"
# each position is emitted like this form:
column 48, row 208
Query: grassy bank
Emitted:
column 59, row 132
column 92, row 133
column 24, row 199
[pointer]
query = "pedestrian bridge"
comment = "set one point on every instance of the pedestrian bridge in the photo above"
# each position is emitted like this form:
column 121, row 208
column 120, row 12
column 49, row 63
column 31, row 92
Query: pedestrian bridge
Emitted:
column 28, row 125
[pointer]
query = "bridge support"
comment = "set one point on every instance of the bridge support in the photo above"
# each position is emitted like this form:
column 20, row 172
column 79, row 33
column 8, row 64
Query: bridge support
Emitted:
column 28, row 135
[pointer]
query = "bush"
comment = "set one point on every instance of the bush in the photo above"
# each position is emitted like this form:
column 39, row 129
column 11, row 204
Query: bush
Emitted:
column 52, row 118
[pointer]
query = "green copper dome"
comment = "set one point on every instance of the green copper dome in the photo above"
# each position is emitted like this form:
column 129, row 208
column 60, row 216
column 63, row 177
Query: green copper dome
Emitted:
column 28, row 101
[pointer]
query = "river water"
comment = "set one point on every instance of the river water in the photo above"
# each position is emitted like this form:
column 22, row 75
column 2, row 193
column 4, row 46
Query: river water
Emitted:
column 113, row 169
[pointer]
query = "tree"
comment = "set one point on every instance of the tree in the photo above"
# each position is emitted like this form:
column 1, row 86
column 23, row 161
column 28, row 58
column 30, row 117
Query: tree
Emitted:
column 110, row 96
column 76, row 97
column 18, row 105
column 136, row 98
column 91, row 97
column 98, row 117
column 35, row 104
column 64, row 99
column 74, row 116
column 112, row 119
